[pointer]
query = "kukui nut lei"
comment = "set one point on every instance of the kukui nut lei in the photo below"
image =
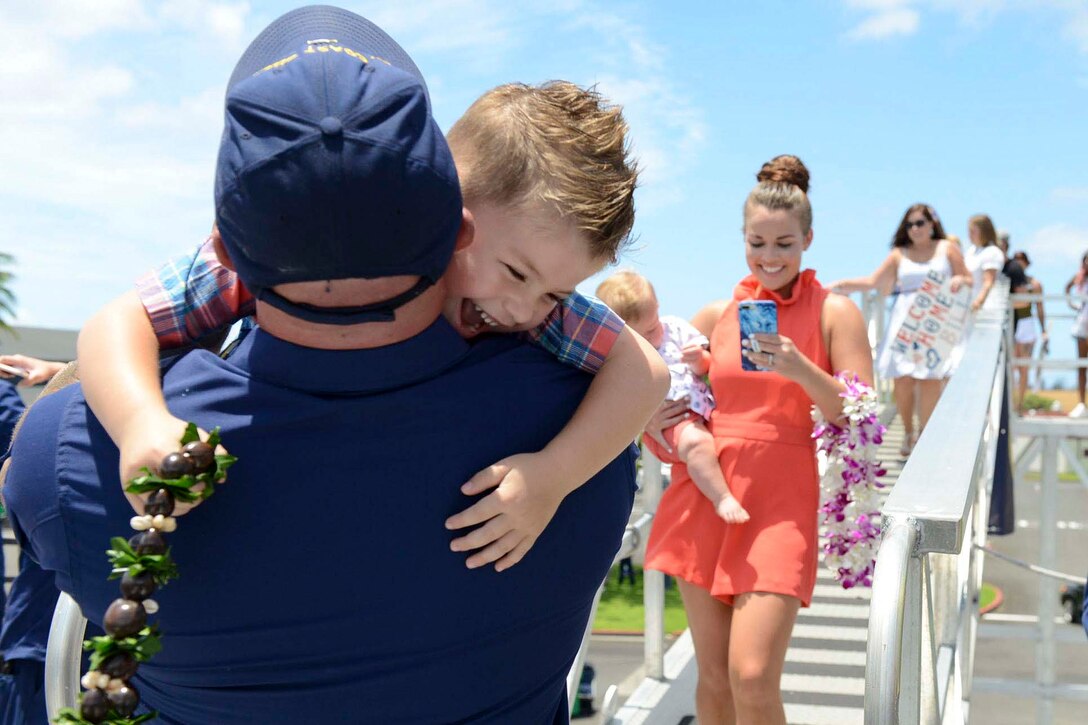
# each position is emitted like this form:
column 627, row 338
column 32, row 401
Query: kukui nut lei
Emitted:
column 143, row 563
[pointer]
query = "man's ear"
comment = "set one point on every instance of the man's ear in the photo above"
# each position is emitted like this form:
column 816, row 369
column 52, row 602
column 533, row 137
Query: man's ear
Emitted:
column 220, row 249
column 467, row 232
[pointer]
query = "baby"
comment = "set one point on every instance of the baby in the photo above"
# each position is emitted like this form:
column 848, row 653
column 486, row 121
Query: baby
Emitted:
column 632, row 297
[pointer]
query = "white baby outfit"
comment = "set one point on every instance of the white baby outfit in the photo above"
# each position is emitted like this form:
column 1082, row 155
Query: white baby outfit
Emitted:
column 678, row 332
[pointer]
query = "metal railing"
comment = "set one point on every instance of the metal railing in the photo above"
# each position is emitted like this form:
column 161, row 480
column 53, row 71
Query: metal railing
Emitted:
column 653, row 588
column 1043, row 363
column 1047, row 438
column 924, row 613
column 63, row 656
column 874, row 309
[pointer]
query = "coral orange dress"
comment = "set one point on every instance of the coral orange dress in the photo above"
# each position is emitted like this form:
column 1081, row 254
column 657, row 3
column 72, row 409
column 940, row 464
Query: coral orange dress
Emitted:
column 762, row 429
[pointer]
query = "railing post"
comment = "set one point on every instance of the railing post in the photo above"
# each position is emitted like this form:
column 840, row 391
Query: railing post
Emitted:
column 1044, row 648
column 947, row 592
column 910, row 679
column 653, row 582
column 885, row 648
column 63, row 656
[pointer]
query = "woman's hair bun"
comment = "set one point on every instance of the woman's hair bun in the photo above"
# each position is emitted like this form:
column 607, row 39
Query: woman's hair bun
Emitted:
column 784, row 169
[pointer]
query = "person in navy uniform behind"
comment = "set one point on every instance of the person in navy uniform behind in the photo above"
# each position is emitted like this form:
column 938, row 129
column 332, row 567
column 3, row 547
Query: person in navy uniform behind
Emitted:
column 318, row 584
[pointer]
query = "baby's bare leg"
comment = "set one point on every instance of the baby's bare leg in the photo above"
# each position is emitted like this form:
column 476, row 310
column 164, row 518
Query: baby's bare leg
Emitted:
column 695, row 448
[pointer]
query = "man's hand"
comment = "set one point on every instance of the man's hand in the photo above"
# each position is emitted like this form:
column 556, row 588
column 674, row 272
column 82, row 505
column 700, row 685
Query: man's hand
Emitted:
column 146, row 441
column 38, row 372
column 524, row 501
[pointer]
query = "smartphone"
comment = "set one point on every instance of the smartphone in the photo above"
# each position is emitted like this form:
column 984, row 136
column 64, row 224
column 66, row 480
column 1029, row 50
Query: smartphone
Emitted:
column 18, row 372
column 756, row 316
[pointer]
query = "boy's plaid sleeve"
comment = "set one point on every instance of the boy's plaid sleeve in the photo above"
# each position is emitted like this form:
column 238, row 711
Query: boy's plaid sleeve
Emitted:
column 191, row 296
column 580, row 331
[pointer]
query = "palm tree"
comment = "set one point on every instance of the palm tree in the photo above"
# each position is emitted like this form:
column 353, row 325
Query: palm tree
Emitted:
column 7, row 297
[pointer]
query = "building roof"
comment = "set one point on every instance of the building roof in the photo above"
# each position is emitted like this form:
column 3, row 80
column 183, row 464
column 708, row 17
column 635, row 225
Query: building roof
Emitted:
column 40, row 342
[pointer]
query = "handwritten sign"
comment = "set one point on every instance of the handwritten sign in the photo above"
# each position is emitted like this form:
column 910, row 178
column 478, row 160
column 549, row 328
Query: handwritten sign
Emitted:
column 934, row 324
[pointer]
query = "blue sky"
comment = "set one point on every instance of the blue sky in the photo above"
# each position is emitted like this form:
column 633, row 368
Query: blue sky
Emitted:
column 112, row 114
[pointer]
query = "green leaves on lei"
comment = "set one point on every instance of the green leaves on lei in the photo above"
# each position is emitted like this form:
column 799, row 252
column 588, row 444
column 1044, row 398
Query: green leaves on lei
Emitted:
column 142, row 645
column 72, row 716
column 182, row 488
column 123, row 558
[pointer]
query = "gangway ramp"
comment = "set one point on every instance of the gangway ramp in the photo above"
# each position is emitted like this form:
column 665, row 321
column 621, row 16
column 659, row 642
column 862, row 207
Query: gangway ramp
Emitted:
column 823, row 682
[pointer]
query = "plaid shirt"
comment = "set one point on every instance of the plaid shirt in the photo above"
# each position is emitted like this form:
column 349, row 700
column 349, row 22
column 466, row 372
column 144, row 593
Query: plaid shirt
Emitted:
column 193, row 295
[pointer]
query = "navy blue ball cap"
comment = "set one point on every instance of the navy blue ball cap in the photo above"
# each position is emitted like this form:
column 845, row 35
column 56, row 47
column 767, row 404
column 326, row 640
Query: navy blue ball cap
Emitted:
column 331, row 165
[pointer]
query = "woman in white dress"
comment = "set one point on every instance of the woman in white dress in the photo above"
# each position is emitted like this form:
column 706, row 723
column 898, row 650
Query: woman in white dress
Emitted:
column 984, row 259
column 1079, row 286
column 919, row 246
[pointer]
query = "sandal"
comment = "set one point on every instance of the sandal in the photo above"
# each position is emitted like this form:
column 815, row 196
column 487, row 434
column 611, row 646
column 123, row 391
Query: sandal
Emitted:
column 906, row 446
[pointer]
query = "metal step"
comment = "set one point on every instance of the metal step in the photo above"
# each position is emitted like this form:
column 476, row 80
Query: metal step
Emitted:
column 824, row 678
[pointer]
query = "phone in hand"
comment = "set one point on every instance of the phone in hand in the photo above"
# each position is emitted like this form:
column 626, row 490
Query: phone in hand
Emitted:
column 756, row 316
column 11, row 370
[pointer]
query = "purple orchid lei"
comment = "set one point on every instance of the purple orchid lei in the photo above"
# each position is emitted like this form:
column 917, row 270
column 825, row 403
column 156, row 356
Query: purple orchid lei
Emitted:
column 849, row 506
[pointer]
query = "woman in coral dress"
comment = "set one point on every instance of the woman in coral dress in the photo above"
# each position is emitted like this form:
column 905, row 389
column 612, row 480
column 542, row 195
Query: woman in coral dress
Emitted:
column 742, row 584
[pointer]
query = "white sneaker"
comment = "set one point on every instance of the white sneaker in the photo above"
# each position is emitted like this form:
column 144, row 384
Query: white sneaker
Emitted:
column 1079, row 412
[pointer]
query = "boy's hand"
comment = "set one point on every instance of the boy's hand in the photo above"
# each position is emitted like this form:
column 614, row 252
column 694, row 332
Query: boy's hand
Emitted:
column 147, row 440
column 516, row 512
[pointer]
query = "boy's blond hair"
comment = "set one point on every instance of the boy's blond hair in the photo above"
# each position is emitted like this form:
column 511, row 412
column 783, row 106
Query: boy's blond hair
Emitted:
column 554, row 143
column 629, row 294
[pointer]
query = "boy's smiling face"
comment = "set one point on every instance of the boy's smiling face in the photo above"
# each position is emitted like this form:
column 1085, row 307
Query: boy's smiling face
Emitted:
column 523, row 260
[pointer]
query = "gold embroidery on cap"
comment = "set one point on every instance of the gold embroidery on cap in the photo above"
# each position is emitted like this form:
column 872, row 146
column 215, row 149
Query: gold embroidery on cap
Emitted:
column 277, row 64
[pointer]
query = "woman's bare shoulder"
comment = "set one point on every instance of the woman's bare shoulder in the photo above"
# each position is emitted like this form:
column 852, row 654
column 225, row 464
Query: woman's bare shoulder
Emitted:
column 705, row 319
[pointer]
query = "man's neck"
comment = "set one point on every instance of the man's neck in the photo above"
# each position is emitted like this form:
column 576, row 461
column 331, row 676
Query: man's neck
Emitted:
column 410, row 319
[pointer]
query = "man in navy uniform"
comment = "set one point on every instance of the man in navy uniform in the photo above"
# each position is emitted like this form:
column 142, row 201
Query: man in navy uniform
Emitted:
column 319, row 585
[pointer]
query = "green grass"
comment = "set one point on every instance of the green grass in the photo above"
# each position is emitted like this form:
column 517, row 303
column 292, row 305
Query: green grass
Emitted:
column 1063, row 476
column 621, row 606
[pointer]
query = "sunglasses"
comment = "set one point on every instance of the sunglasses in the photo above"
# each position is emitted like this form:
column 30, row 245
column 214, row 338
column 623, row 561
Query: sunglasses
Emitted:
column 917, row 224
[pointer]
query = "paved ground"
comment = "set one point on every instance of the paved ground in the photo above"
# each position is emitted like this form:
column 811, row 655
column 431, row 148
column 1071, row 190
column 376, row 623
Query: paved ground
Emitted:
column 1015, row 658
column 618, row 661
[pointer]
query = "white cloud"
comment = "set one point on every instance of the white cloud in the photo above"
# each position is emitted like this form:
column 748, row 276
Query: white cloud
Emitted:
column 885, row 24
column 42, row 20
column 224, row 21
column 111, row 170
column 1070, row 193
column 1076, row 27
column 667, row 128
column 886, row 18
column 103, row 182
column 1058, row 245
column 477, row 32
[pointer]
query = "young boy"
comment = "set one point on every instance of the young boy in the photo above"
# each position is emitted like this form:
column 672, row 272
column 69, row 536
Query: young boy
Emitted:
column 632, row 297
column 548, row 201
